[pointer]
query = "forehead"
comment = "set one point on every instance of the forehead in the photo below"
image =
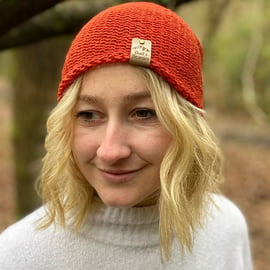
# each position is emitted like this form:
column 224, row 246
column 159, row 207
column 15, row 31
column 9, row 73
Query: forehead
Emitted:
column 114, row 80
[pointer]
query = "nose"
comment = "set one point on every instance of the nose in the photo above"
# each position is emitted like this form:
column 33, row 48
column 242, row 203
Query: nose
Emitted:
column 114, row 145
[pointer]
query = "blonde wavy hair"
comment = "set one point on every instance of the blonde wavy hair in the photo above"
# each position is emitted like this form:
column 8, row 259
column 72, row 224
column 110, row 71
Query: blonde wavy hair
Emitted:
column 191, row 170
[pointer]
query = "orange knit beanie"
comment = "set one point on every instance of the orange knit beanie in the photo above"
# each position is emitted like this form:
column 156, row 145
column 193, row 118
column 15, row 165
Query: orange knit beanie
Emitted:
column 140, row 33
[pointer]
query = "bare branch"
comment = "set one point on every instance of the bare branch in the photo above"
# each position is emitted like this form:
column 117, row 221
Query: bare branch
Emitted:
column 65, row 18
column 13, row 13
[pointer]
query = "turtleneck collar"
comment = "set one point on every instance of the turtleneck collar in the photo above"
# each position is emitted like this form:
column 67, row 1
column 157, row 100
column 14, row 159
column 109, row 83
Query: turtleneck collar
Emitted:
column 130, row 227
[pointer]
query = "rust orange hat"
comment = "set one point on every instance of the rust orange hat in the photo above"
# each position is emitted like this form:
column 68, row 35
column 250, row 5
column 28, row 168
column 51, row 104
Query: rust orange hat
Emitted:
column 139, row 33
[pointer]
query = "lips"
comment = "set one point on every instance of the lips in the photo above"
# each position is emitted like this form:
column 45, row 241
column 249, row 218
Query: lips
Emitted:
column 118, row 176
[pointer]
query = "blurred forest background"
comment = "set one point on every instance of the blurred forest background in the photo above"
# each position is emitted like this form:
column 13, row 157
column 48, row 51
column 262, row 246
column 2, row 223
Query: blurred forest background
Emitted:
column 34, row 37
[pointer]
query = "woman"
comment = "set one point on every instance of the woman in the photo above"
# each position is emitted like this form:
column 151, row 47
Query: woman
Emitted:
column 132, row 171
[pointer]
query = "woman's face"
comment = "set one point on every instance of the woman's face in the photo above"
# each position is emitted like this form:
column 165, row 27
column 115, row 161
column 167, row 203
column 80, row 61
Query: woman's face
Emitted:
column 118, row 141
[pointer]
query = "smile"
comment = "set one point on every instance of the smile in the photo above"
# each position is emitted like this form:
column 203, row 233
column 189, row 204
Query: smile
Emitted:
column 118, row 176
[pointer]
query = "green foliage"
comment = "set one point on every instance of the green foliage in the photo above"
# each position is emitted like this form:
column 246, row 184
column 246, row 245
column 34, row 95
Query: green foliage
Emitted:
column 8, row 3
column 227, row 53
column 7, row 64
column 165, row 2
column 230, row 51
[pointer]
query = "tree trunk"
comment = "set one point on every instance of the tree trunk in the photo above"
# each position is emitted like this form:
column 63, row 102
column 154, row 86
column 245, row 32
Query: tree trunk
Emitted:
column 35, row 83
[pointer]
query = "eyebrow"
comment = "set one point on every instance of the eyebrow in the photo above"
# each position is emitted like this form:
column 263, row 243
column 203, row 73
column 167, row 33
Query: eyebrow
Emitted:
column 89, row 99
column 137, row 96
column 92, row 99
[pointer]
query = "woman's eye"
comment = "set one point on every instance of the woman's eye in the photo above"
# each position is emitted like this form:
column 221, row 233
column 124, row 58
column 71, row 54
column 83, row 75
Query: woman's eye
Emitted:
column 87, row 116
column 144, row 114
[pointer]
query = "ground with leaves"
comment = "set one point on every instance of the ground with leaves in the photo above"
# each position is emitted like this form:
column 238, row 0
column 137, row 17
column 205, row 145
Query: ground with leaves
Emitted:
column 247, row 151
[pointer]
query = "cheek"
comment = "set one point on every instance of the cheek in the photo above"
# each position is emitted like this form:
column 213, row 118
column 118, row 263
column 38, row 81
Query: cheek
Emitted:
column 83, row 147
column 154, row 147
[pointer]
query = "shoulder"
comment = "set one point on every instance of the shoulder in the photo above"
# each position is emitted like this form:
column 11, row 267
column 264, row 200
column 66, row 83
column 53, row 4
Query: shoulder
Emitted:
column 22, row 228
column 225, row 211
column 19, row 240
column 224, row 239
column 226, row 220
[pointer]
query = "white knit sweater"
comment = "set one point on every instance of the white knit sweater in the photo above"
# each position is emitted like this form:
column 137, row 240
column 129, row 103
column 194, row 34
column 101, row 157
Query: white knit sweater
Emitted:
column 126, row 239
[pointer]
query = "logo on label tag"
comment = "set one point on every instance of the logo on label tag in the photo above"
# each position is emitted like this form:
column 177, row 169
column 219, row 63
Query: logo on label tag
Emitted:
column 140, row 53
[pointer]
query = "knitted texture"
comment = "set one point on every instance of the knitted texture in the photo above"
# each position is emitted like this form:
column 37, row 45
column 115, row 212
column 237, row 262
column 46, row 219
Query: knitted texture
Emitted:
column 106, row 38
column 126, row 239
